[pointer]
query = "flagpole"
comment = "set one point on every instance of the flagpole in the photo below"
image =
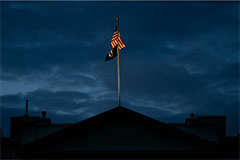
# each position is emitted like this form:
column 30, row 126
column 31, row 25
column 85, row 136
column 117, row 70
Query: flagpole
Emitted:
column 118, row 64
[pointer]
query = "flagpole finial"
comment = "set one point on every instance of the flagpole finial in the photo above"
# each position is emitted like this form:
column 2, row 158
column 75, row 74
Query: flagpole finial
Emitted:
column 117, row 18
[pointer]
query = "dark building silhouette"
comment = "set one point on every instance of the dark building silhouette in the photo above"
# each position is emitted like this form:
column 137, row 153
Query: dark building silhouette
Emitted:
column 120, row 133
column 212, row 128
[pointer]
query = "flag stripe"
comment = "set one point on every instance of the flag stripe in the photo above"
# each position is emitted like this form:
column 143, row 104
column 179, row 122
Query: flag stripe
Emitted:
column 116, row 39
column 120, row 45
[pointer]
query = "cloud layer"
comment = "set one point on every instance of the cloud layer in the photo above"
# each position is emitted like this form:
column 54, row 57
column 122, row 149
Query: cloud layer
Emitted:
column 180, row 57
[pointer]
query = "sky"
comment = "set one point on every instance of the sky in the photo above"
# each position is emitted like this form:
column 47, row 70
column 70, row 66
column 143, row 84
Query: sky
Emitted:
column 180, row 58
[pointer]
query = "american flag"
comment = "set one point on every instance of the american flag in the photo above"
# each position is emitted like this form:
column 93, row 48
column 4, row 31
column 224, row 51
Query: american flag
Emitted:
column 116, row 39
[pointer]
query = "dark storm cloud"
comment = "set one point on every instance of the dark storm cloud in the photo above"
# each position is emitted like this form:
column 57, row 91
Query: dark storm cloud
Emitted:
column 44, row 35
column 180, row 57
column 39, row 40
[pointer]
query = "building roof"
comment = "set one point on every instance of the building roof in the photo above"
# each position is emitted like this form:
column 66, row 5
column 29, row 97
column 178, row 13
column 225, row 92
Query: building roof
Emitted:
column 119, row 113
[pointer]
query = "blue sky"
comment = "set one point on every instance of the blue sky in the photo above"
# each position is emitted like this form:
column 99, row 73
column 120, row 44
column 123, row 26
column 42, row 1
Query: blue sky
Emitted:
column 180, row 57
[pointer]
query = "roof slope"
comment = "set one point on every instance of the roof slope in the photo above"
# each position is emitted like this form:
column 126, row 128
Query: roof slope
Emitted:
column 118, row 115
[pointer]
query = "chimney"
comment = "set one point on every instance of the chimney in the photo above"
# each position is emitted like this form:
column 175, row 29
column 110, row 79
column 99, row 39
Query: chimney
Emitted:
column 44, row 120
column 44, row 114
column 26, row 112
column 192, row 120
